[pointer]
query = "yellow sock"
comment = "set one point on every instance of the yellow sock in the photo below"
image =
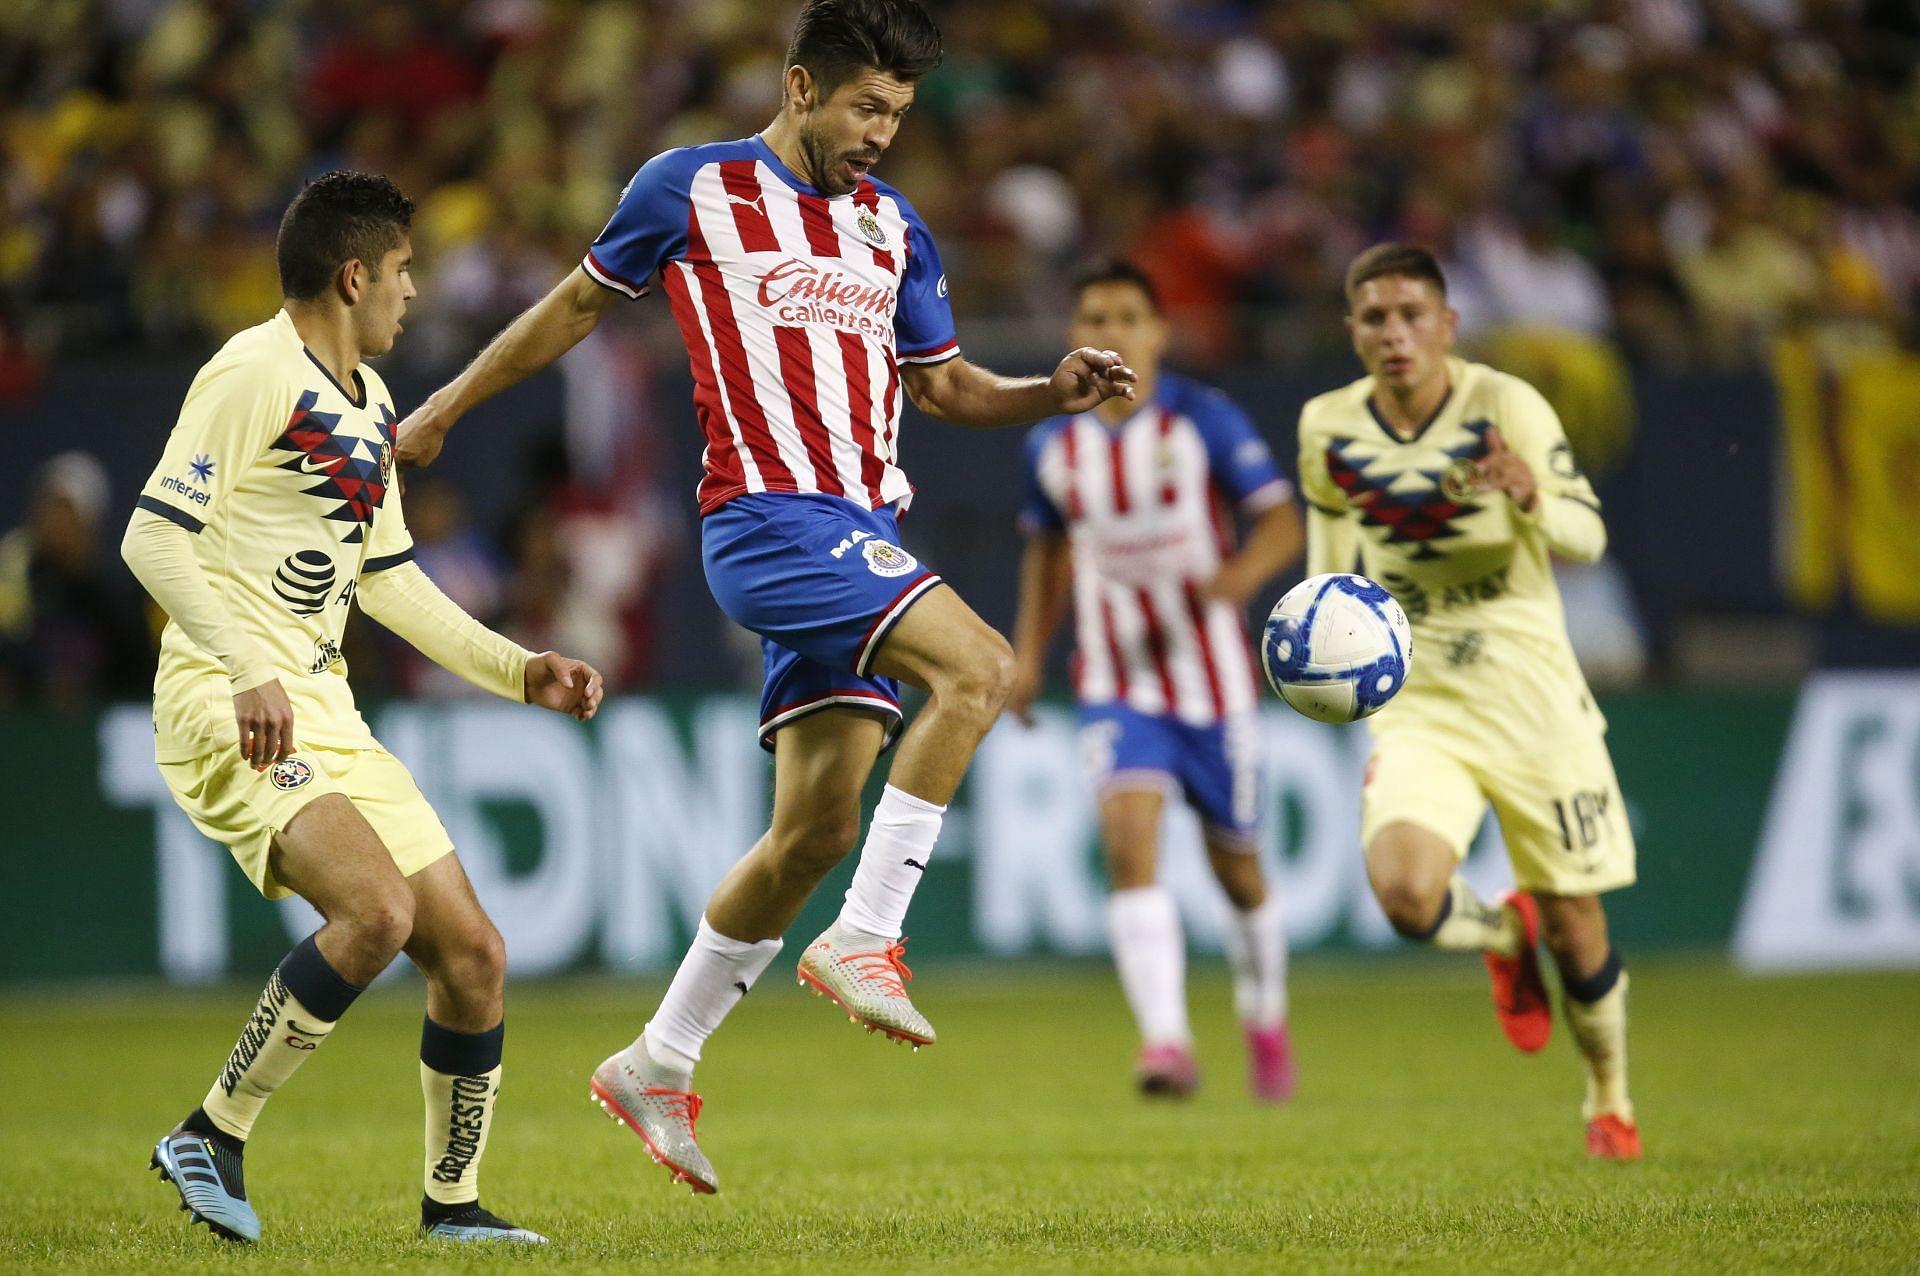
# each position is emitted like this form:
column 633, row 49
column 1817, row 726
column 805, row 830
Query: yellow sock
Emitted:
column 1470, row 924
column 460, row 1079
column 1600, row 1031
column 302, row 1001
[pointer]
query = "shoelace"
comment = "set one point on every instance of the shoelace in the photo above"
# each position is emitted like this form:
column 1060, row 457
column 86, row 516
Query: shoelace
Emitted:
column 888, row 967
column 684, row 1104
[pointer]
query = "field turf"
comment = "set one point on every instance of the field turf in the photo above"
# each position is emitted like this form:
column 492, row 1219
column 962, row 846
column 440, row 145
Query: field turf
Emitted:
column 1782, row 1119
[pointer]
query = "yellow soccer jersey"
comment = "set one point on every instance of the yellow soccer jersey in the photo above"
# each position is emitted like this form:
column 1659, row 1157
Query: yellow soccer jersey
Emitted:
column 282, row 475
column 1491, row 660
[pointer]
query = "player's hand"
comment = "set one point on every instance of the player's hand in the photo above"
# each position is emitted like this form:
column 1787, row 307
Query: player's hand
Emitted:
column 1088, row 377
column 1027, row 679
column 565, row 685
column 1227, row 587
column 1503, row 470
column 420, row 437
column 265, row 718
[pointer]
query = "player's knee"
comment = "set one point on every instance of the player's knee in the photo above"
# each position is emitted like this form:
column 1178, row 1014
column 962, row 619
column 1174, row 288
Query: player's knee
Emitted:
column 384, row 923
column 483, row 959
column 816, row 843
column 981, row 682
column 1410, row 903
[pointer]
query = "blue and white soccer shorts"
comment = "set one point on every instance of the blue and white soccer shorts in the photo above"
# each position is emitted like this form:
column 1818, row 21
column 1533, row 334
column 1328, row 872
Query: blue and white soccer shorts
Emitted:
column 1215, row 768
column 823, row 581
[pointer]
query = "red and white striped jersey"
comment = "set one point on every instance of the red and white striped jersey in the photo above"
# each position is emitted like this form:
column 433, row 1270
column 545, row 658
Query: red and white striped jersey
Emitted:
column 797, row 309
column 1148, row 505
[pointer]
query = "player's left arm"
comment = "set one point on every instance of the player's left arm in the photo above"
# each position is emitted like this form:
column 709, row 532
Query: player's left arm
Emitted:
column 967, row 394
column 1536, row 469
column 1242, row 465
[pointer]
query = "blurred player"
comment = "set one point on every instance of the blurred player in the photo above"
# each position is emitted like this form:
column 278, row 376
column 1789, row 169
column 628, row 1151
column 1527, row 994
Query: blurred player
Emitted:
column 1452, row 483
column 809, row 295
column 271, row 510
column 1127, row 514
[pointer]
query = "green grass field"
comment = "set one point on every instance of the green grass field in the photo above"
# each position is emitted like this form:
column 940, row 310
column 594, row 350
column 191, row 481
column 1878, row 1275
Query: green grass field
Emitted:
column 1782, row 1119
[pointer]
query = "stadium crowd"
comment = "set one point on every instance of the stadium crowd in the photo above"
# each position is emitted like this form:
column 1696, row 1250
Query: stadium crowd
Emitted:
column 1682, row 176
column 1669, row 182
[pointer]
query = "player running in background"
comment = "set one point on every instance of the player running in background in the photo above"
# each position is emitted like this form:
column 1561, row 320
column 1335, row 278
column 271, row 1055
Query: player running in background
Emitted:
column 271, row 511
column 1127, row 516
column 1452, row 484
column 809, row 296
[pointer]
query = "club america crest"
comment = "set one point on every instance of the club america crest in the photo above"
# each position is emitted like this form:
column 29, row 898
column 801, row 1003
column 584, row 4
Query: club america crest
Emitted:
column 290, row 773
column 870, row 227
column 1461, row 480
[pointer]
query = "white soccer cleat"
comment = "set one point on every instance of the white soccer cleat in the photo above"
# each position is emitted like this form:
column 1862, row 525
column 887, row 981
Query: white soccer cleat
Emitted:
column 657, row 1105
column 866, row 977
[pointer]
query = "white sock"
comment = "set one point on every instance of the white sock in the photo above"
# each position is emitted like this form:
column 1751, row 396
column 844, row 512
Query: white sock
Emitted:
column 1257, row 950
column 899, row 844
column 714, row 975
column 1151, row 954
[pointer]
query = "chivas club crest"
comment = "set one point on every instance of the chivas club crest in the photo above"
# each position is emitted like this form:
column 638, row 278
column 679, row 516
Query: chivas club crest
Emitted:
column 887, row 560
column 870, row 227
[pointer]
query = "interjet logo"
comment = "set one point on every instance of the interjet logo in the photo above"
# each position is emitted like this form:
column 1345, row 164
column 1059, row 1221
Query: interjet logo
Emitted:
column 794, row 280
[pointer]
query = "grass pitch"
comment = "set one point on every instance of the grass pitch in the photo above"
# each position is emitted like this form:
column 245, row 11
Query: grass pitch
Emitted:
column 1782, row 1119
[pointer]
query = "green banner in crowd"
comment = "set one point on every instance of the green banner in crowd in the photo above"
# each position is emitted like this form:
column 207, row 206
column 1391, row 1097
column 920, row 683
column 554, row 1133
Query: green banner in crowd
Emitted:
column 595, row 847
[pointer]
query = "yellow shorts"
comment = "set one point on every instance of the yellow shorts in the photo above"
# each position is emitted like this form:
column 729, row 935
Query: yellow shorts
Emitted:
column 243, row 808
column 1561, row 813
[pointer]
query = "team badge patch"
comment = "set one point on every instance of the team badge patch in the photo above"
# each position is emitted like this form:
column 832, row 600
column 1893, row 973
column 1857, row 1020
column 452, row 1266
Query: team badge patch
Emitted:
column 290, row 773
column 1461, row 480
column 870, row 227
column 887, row 560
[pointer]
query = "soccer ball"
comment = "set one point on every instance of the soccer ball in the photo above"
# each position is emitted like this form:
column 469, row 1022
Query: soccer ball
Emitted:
column 1337, row 648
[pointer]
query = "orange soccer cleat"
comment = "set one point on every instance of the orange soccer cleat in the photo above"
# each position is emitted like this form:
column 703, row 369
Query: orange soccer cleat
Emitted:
column 1519, row 993
column 1613, row 1138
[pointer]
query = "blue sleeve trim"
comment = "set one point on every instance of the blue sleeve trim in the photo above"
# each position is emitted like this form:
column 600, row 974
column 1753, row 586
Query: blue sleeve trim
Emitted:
column 385, row 561
column 171, row 514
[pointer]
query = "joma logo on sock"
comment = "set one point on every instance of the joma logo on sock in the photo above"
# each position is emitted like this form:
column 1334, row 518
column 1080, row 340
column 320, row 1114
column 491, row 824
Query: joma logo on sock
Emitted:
column 256, row 1034
column 466, row 1124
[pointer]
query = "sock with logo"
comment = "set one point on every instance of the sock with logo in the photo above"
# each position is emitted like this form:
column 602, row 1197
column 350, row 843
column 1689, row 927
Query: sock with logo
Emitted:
column 714, row 975
column 1468, row 923
column 1597, row 1011
column 1150, row 952
column 1257, row 952
column 302, row 1001
column 460, row 1077
column 899, row 844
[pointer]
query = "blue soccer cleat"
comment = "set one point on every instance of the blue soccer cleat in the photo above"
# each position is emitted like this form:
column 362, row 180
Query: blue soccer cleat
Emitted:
column 471, row 1223
column 208, row 1177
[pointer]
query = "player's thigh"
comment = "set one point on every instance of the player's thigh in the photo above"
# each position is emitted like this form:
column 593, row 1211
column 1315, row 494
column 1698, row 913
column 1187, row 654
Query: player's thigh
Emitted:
column 1130, row 833
column 1420, row 809
column 941, row 639
column 245, row 809
column 820, row 767
column 332, row 857
column 451, row 931
column 1131, row 760
column 1564, row 820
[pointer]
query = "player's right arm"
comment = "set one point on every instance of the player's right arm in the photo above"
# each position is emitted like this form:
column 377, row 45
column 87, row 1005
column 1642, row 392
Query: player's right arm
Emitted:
column 1333, row 537
column 231, row 411
column 1046, row 581
column 648, row 228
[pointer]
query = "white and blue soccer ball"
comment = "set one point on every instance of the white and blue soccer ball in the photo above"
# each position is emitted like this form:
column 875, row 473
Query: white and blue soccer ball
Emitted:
column 1337, row 647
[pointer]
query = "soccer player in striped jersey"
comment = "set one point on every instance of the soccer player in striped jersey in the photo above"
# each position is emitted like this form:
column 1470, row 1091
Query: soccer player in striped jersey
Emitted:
column 810, row 297
column 271, row 512
column 1129, row 520
column 1452, row 484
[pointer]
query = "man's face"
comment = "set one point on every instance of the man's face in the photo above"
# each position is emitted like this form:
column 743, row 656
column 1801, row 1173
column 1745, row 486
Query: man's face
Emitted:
column 1402, row 330
column 1117, row 316
column 383, row 300
column 844, row 136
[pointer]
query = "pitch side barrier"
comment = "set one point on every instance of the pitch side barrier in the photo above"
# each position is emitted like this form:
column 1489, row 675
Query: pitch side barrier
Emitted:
column 1781, row 829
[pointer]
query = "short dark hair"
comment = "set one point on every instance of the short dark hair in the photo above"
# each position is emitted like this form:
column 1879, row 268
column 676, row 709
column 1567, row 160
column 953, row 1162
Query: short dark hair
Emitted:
column 1409, row 261
column 1114, row 270
column 838, row 39
column 336, row 218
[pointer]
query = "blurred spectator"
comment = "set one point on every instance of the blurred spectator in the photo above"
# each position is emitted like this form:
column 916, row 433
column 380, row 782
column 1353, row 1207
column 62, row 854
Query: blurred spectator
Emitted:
column 70, row 628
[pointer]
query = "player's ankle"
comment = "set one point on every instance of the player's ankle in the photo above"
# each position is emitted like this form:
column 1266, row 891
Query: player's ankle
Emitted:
column 198, row 1122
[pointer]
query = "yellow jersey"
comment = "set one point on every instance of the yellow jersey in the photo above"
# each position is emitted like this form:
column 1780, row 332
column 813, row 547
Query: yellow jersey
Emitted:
column 1491, row 660
column 283, row 476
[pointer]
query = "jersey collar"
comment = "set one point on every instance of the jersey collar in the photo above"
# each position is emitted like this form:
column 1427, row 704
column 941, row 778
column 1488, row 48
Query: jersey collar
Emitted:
column 1373, row 411
column 772, row 160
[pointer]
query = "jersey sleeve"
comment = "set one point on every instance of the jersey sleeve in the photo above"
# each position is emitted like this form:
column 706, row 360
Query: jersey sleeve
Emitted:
column 1239, row 458
column 923, row 329
column 1039, row 515
column 1316, row 483
column 1567, row 512
column 1333, row 540
column 232, row 411
column 391, row 544
column 648, row 227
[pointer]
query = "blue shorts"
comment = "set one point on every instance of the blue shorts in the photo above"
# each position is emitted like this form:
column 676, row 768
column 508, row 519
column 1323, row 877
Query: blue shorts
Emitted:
column 1216, row 767
column 823, row 581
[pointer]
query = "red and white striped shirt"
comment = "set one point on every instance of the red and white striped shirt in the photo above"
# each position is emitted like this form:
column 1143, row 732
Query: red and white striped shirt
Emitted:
column 1148, row 505
column 796, row 308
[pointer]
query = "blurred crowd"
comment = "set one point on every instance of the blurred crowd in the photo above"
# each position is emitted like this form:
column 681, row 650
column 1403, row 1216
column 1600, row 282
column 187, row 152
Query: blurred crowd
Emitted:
column 1679, row 177
column 1665, row 182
